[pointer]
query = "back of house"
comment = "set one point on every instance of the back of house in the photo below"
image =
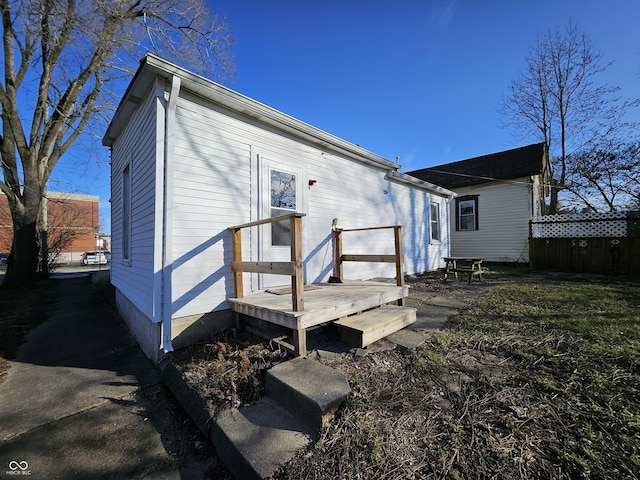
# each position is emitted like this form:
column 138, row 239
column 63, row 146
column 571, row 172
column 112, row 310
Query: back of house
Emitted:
column 497, row 195
column 191, row 158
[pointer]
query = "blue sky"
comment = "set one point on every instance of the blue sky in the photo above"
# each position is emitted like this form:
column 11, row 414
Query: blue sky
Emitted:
column 418, row 80
column 421, row 80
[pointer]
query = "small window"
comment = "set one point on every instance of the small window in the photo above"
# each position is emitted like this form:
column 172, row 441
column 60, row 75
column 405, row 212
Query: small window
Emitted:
column 283, row 201
column 435, row 222
column 126, row 213
column 467, row 213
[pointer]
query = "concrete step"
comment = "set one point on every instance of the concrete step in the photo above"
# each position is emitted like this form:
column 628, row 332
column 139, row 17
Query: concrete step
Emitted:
column 255, row 440
column 367, row 327
column 309, row 390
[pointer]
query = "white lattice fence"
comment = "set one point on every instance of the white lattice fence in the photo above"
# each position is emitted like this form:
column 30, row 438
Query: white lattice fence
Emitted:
column 580, row 225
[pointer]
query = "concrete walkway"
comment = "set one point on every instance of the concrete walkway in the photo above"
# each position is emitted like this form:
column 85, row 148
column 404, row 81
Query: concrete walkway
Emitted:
column 82, row 401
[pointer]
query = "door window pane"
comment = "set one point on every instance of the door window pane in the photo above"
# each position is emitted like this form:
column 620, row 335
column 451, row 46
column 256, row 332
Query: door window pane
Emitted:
column 280, row 231
column 283, row 190
column 283, row 201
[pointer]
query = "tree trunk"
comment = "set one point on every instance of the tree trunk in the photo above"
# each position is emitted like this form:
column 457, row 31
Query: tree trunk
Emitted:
column 22, row 264
column 44, row 236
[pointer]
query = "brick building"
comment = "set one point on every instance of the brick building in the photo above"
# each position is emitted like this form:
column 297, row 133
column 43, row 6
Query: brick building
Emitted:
column 73, row 221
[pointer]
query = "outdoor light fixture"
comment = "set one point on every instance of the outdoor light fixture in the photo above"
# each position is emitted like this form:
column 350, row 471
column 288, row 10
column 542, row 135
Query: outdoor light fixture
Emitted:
column 312, row 183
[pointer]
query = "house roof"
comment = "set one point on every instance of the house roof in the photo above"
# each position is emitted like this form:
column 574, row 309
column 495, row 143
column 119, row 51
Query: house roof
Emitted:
column 152, row 67
column 516, row 163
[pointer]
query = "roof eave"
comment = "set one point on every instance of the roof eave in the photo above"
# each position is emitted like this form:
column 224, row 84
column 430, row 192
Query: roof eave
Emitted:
column 515, row 179
column 152, row 66
column 416, row 182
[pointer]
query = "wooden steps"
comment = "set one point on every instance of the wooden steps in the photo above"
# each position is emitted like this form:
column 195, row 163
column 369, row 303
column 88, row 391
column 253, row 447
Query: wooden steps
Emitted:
column 323, row 304
column 367, row 327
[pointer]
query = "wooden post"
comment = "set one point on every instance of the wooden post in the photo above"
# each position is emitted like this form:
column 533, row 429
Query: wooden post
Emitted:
column 297, row 280
column 338, row 259
column 532, row 253
column 397, row 236
column 300, row 342
column 238, row 288
column 236, row 235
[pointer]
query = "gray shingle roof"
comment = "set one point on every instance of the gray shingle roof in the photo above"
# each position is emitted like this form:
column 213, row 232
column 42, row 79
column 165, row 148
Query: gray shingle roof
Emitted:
column 516, row 163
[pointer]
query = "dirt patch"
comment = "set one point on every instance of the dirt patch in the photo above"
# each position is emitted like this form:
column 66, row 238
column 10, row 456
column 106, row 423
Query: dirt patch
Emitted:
column 230, row 370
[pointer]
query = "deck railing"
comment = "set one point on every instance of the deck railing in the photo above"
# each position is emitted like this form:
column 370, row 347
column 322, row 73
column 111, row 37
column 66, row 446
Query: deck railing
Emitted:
column 396, row 258
column 294, row 268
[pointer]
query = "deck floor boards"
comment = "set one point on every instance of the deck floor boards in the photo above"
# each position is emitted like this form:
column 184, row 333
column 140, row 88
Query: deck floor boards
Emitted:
column 326, row 303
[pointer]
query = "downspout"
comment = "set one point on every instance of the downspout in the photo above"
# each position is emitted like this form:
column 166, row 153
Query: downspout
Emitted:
column 449, row 200
column 167, row 235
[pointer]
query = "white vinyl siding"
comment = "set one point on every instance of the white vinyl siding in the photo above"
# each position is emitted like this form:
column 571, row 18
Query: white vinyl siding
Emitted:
column 360, row 196
column 215, row 187
column 215, row 169
column 504, row 210
column 212, row 189
column 135, row 146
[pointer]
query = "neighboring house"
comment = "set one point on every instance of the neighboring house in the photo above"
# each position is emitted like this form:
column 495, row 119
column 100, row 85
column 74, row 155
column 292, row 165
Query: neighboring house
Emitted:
column 191, row 158
column 497, row 195
column 73, row 223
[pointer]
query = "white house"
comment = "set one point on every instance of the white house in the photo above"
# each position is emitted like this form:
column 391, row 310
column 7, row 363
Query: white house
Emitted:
column 191, row 158
column 498, row 194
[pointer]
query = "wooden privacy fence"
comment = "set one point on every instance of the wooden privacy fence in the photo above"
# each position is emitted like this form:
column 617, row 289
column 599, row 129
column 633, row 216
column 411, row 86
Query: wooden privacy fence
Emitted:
column 605, row 243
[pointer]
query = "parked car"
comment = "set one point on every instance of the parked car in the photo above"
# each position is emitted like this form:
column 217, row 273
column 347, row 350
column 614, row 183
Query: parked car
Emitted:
column 107, row 253
column 94, row 258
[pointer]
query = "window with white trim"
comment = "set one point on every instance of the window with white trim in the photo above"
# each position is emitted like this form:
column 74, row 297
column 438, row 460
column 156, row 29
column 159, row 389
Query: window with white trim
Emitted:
column 126, row 213
column 435, row 222
column 467, row 212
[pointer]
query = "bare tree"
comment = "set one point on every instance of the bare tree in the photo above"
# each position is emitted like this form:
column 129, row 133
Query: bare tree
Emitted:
column 558, row 100
column 64, row 62
column 605, row 178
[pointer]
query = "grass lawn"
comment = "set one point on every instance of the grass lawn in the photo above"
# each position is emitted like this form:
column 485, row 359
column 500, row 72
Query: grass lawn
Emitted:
column 539, row 379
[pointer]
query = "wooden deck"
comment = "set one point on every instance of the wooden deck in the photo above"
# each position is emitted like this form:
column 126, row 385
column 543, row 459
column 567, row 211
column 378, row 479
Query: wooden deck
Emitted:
column 326, row 302
column 303, row 307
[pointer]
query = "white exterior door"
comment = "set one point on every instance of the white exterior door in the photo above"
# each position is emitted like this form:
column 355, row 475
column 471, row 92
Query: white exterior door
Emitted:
column 281, row 192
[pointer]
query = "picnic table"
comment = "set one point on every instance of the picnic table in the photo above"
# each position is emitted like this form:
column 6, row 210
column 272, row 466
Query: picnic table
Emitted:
column 466, row 265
